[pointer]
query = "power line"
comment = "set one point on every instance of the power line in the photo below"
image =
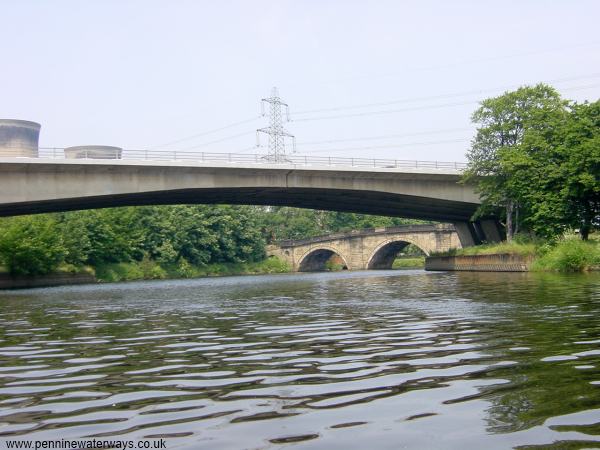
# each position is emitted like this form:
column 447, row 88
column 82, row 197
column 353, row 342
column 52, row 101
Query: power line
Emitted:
column 406, row 144
column 204, row 133
column 419, row 108
column 462, row 63
column 580, row 88
column 440, row 96
column 246, row 133
column 373, row 138
column 387, row 111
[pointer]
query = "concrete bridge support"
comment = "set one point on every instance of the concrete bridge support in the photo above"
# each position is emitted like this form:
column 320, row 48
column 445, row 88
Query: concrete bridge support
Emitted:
column 479, row 232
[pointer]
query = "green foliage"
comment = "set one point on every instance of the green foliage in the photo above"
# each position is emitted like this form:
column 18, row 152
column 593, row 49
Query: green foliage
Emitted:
column 570, row 255
column 153, row 242
column 279, row 223
column 113, row 272
column 75, row 238
column 31, row 245
column 579, row 175
column 272, row 265
column 565, row 255
column 498, row 149
column 502, row 248
column 333, row 265
column 184, row 269
column 166, row 253
column 536, row 158
column 150, row 270
column 411, row 250
column 409, row 263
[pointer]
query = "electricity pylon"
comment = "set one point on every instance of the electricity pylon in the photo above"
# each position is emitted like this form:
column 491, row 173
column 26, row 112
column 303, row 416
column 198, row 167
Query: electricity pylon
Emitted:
column 275, row 130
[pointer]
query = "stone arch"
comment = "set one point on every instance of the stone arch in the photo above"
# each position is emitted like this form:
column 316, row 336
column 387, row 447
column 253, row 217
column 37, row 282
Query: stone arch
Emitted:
column 385, row 253
column 314, row 260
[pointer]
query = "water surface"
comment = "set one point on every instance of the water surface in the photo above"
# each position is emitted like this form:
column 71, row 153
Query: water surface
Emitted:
column 356, row 360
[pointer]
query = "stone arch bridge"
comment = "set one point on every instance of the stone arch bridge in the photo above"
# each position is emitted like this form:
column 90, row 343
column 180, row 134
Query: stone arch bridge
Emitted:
column 373, row 248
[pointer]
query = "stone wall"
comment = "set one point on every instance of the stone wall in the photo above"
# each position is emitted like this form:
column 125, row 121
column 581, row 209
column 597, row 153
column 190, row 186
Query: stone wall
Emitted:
column 55, row 279
column 480, row 263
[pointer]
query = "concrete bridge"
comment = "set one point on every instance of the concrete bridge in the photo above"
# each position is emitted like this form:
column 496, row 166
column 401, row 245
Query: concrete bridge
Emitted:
column 412, row 189
column 374, row 248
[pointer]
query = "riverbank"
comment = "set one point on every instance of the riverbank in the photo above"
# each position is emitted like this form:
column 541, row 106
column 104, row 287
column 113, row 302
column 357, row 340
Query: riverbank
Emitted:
column 8, row 281
column 140, row 270
column 417, row 262
column 567, row 255
column 152, row 270
column 480, row 263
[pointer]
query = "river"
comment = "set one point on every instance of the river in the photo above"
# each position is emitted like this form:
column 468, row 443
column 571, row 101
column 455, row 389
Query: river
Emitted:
column 350, row 360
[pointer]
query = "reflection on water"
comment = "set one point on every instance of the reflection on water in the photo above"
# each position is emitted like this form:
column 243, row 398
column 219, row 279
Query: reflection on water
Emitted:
column 334, row 361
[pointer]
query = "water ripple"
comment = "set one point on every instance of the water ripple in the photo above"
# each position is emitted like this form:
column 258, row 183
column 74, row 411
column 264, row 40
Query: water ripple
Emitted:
column 405, row 359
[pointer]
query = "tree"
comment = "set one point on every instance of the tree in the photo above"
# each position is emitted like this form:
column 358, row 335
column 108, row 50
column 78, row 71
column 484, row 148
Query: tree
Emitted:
column 580, row 171
column 31, row 245
column 498, row 143
column 557, row 170
column 73, row 230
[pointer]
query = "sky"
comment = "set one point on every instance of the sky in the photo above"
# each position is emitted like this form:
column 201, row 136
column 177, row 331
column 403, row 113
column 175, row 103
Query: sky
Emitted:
column 375, row 79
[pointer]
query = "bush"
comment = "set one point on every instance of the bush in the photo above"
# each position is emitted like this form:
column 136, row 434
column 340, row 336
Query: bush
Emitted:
column 334, row 266
column 119, row 272
column 570, row 255
column 274, row 265
column 31, row 245
column 184, row 269
column 151, row 270
column 409, row 263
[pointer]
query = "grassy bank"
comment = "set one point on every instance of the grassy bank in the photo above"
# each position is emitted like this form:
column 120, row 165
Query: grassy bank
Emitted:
column 502, row 248
column 151, row 270
column 567, row 255
column 417, row 262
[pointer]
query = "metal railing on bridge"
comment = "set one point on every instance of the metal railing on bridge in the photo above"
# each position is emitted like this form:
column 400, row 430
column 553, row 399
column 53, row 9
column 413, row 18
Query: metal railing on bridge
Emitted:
column 246, row 158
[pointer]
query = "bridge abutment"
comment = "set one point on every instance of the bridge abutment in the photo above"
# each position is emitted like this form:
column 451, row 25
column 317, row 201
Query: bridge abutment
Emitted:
column 466, row 234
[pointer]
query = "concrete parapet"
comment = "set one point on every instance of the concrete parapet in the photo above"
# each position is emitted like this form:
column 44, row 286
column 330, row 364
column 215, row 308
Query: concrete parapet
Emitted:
column 480, row 263
column 93, row 152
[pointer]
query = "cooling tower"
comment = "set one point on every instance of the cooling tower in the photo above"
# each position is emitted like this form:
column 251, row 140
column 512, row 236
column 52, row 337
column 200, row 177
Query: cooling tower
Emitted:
column 93, row 152
column 19, row 138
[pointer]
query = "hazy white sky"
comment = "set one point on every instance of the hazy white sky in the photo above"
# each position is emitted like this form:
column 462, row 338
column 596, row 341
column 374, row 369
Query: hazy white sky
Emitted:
column 144, row 73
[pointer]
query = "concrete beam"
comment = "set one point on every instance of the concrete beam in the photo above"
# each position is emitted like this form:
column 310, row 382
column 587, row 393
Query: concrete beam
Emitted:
column 38, row 185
